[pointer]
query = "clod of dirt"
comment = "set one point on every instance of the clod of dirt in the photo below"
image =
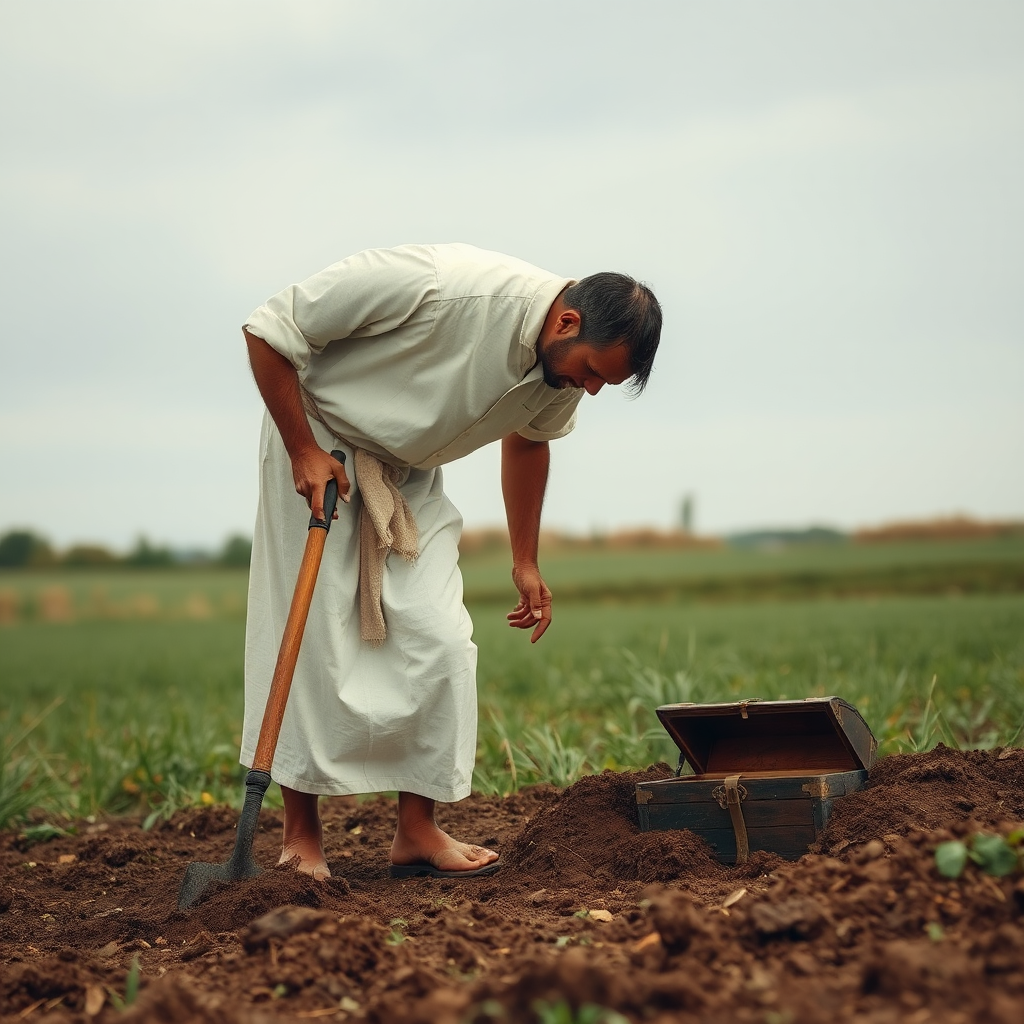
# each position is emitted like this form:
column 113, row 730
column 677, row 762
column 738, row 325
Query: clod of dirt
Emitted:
column 676, row 920
column 279, row 924
column 575, row 977
column 663, row 857
column 233, row 905
column 120, row 854
column 49, row 978
column 913, row 965
column 199, row 946
column 564, row 844
column 177, row 999
column 204, row 822
column 870, row 851
column 797, row 918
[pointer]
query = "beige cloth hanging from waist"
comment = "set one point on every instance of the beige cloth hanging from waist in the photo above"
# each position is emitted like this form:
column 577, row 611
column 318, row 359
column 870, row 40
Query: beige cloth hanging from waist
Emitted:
column 386, row 524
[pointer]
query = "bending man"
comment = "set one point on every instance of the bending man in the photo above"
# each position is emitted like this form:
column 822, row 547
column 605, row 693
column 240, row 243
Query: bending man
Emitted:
column 407, row 359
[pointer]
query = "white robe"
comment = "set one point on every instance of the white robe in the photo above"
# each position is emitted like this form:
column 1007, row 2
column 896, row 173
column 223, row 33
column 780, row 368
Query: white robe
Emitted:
column 419, row 354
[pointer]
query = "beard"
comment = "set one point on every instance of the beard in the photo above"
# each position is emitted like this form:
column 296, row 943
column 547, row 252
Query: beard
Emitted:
column 552, row 360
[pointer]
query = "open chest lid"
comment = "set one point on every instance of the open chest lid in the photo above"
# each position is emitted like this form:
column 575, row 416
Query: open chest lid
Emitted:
column 819, row 734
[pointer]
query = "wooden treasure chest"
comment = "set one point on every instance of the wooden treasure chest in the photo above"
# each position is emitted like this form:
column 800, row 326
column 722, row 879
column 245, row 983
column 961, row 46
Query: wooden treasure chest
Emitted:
column 766, row 773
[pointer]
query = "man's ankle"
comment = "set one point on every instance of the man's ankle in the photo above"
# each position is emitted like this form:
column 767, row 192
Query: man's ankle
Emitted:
column 301, row 813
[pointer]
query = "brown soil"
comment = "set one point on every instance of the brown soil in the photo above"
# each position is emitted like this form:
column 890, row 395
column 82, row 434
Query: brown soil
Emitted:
column 586, row 910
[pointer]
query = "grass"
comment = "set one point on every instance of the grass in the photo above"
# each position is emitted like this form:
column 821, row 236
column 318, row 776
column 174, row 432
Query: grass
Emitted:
column 921, row 669
column 120, row 716
column 127, row 713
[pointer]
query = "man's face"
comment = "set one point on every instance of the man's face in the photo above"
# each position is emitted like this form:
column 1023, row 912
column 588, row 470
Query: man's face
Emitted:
column 568, row 363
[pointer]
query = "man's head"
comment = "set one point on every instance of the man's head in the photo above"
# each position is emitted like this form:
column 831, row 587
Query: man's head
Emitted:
column 602, row 330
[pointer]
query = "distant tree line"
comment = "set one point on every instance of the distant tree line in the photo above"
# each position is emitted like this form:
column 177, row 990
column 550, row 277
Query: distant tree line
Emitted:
column 24, row 549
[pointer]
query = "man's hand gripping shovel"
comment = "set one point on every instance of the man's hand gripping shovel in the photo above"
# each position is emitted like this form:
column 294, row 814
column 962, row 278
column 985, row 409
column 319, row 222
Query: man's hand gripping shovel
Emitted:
column 200, row 879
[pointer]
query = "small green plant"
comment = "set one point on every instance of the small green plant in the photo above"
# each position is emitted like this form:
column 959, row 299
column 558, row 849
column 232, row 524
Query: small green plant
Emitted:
column 490, row 1009
column 131, row 987
column 995, row 855
column 562, row 1013
column 42, row 834
column 397, row 935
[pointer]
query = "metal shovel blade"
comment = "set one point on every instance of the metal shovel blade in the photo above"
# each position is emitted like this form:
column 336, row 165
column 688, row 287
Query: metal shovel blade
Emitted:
column 200, row 878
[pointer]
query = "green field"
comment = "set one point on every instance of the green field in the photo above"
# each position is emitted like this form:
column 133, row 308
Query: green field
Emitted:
column 795, row 570
column 589, row 565
column 585, row 573
column 124, row 693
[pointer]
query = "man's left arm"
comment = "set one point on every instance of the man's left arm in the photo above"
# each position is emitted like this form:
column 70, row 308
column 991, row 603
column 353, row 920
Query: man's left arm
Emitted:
column 524, row 477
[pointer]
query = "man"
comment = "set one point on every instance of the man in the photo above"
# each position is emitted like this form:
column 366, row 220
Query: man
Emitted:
column 406, row 359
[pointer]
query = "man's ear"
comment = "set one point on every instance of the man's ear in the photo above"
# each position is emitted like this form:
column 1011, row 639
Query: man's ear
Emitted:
column 568, row 324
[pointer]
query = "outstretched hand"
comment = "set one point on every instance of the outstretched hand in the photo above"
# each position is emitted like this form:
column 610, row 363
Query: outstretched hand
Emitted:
column 311, row 469
column 534, row 608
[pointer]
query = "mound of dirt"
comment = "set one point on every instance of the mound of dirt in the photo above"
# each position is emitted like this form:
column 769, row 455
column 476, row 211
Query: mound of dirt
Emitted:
column 914, row 792
column 586, row 909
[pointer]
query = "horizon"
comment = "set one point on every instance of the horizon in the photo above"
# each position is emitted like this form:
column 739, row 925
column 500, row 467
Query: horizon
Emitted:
column 937, row 528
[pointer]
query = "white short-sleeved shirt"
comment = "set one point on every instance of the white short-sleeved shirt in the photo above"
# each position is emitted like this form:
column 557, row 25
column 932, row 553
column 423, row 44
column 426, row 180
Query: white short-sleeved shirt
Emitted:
column 423, row 353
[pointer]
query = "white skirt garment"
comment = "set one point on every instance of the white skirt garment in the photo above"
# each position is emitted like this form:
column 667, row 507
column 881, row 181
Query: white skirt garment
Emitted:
column 362, row 719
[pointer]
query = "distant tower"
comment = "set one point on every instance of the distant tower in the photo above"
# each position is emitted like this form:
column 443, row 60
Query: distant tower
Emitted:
column 686, row 514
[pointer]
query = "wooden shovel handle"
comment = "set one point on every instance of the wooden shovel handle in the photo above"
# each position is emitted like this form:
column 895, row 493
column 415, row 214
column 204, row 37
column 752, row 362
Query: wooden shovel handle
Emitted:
column 287, row 656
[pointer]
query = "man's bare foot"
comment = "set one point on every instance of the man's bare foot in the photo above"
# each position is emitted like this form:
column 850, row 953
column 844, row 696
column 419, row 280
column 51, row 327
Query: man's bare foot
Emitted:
column 419, row 840
column 302, row 847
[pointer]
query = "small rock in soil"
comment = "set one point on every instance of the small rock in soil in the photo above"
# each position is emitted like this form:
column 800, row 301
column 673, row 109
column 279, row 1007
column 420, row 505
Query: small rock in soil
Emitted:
column 279, row 924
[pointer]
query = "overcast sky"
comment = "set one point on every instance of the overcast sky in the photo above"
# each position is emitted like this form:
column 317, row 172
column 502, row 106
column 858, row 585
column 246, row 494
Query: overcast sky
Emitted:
column 826, row 197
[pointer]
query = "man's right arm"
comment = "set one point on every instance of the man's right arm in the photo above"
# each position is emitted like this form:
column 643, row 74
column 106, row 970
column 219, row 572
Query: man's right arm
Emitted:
column 278, row 383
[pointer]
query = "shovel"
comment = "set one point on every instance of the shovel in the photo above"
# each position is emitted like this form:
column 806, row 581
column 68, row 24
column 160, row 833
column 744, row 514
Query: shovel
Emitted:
column 201, row 878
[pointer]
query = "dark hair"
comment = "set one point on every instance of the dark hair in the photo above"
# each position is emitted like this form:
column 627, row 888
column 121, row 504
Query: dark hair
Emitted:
column 613, row 308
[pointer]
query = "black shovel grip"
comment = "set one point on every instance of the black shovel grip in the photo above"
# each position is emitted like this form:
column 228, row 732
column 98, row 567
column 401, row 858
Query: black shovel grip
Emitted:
column 330, row 498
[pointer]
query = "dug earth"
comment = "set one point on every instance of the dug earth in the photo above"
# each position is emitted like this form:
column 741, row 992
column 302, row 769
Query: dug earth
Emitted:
column 586, row 911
